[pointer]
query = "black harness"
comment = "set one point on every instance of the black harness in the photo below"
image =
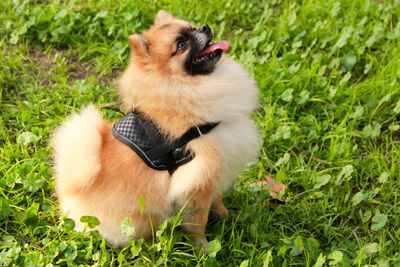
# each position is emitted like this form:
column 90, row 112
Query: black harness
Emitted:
column 145, row 138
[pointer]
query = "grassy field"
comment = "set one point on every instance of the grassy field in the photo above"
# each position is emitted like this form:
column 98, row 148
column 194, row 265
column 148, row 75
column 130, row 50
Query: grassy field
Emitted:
column 328, row 73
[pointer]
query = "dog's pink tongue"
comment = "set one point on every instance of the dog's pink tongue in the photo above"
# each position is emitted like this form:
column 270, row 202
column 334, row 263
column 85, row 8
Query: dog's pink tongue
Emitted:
column 223, row 45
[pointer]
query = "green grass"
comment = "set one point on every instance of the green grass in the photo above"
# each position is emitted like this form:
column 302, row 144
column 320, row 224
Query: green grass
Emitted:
column 328, row 73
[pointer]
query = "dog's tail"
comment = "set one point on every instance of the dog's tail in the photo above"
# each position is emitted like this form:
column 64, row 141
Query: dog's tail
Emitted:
column 77, row 145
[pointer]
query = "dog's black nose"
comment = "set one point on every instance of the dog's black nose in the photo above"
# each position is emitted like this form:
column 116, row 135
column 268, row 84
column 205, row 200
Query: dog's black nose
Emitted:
column 205, row 28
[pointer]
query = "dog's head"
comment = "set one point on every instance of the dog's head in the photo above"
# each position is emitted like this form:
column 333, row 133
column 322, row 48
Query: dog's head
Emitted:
column 172, row 46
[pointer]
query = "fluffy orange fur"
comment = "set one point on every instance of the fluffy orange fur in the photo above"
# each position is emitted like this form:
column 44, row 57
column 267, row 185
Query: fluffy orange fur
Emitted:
column 99, row 176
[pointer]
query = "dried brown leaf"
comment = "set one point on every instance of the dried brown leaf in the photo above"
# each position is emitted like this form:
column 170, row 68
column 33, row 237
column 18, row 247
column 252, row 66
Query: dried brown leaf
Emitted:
column 274, row 188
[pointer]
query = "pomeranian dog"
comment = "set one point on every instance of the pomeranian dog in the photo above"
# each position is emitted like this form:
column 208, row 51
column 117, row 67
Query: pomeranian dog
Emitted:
column 188, row 133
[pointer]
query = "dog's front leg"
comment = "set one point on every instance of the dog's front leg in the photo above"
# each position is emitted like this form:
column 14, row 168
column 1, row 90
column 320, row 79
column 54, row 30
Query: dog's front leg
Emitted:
column 195, row 216
column 194, row 186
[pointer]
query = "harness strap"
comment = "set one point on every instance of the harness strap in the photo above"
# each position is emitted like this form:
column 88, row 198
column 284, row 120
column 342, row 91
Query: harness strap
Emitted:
column 145, row 138
column 192, row 133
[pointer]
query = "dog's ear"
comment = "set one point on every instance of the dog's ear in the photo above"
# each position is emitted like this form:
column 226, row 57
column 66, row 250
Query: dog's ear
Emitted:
column 162, row 15
column 138, row 43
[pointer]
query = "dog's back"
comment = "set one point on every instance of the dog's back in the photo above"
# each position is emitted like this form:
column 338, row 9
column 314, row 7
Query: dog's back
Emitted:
column 97, row 175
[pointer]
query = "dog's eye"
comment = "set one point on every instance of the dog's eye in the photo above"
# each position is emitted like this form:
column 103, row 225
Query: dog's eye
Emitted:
column 180, row 45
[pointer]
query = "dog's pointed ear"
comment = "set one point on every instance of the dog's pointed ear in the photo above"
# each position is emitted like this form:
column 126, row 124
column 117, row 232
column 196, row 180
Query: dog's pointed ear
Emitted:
column 162, row 15
column 138, row 43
